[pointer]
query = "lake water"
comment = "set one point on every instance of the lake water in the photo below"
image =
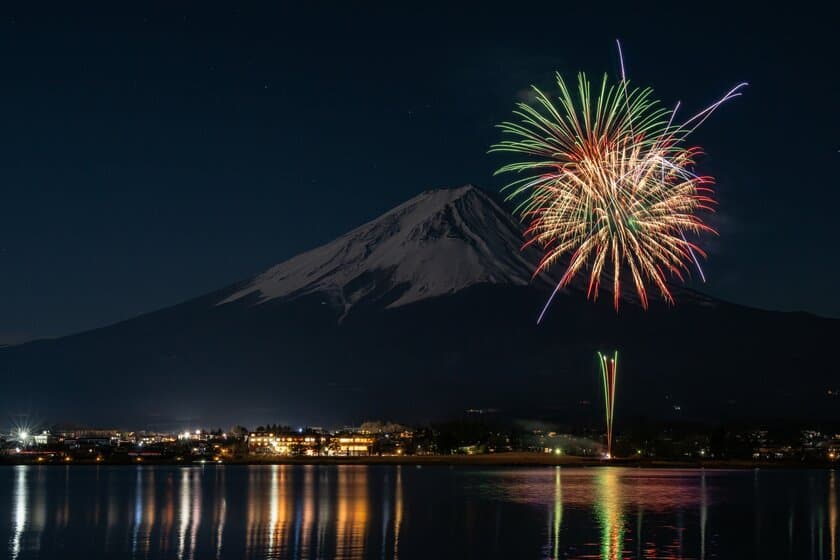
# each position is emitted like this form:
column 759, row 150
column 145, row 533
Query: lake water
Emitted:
column 411, row 512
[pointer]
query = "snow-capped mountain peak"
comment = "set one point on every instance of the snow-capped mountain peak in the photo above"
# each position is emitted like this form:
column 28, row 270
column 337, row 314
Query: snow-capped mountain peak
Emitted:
column 437, row 243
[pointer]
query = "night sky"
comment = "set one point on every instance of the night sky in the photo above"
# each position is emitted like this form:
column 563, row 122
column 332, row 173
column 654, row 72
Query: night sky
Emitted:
column 150, row 157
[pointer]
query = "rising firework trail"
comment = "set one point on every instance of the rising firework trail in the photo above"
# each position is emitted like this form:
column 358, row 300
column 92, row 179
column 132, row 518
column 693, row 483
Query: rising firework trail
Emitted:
column 607, row 185
column 609, row 368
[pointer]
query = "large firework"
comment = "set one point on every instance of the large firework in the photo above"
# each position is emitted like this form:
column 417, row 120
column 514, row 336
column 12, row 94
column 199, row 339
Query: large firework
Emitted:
column 608, row 184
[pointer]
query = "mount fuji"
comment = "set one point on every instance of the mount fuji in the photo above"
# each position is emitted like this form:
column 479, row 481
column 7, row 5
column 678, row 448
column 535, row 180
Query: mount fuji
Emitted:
column 419, row 314
column 437, row 243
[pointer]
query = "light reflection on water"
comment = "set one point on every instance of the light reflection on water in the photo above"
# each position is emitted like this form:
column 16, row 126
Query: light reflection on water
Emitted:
column 20, row 500
column 360, row 512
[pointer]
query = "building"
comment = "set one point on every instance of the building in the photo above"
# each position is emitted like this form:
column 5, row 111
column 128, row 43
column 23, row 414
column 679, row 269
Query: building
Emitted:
column 151, row 438
column 43, row 438
column 351, row 445
column 64, row 432
column 289, row 443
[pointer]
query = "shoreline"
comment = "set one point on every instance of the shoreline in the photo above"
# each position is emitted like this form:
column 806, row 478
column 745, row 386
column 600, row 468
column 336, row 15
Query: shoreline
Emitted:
column 513, row 459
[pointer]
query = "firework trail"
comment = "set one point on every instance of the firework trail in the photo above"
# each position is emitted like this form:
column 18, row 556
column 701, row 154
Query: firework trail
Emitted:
column 608, row 183
column 609, row 369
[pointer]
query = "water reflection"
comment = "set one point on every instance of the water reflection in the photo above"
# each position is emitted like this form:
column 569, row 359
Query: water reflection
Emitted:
column 611, row 494
column 398, row 517
column 832, row 515
column 359, row 512
column 184, row 513
column 143, row 521
column 308, row 512
column 704, row 514
column 221, row 511
column 352, row 517
column 19, row 520
column 609, row 509
column 555, row 516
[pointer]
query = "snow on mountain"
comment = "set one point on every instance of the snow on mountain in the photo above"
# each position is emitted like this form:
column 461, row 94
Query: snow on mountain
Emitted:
column 437, row 243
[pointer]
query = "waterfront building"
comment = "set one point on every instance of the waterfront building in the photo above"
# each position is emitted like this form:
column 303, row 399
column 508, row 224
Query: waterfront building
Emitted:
column 288, row 443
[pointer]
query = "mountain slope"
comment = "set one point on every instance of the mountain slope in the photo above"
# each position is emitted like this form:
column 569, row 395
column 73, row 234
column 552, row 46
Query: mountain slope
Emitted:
column 437, row 243
column 416, row 315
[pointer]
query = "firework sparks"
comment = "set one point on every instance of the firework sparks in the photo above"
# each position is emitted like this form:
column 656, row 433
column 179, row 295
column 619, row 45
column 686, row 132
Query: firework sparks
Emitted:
column 608, row 184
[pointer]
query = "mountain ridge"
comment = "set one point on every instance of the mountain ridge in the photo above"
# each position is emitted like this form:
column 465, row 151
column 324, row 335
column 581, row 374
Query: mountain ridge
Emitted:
column 350, row 339
column 428, row 246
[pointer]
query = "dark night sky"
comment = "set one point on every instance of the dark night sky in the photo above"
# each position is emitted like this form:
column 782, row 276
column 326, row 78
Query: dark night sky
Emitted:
column 150, row 157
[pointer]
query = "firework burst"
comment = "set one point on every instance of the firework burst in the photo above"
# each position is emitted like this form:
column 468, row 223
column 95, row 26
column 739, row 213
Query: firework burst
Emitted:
column 608, row 183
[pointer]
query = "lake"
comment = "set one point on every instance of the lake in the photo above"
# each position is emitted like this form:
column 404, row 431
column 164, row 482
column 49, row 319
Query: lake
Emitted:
column 384, row 512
